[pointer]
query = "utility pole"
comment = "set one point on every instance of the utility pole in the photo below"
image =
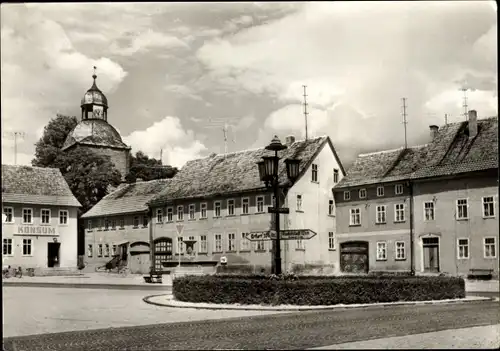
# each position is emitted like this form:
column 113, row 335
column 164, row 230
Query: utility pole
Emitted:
column 404, row 121
column 305, row 107
column 15, row 135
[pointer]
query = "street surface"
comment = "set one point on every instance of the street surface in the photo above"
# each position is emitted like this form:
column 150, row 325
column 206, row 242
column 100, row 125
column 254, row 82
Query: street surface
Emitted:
column 45, row 309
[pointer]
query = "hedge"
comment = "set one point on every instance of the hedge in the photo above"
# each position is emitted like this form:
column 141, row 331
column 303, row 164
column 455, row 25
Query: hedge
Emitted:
column 314, row 290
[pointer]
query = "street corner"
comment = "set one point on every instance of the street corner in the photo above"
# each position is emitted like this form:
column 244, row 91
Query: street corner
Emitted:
column 168, row 300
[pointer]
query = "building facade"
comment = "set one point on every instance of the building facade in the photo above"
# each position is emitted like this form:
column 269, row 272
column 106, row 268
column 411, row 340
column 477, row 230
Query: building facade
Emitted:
column 211, row 205
column 40, row 219
column 95, row 133
column 119, row 225
column 443, row 198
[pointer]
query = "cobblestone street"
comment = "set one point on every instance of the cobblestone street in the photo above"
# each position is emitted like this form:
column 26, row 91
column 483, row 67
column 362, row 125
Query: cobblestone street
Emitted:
column 185, row 329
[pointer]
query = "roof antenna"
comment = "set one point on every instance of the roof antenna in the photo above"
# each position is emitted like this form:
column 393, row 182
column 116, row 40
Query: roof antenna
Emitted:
column 161, row 156
column 445, row 119
column 305, row 107
column 404, row 121
column 224, row 130
column 465, row 102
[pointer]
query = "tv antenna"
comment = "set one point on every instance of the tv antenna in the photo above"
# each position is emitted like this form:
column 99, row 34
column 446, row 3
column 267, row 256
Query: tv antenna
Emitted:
column 405, row 121
column 445, row 119
column 465, row 102
column 305, row 107
column 15, row 135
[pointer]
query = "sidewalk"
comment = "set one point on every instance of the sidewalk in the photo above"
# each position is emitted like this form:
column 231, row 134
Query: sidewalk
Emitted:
column 482, row 286
column 92, row 281
column 484, row 337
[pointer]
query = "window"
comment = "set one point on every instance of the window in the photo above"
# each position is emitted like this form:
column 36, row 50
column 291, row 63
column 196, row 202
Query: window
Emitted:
column 400, row 250
column 230, row 242
column 381, row 251
column 27, row 216
column 99, row 224
column 99, row 250
column 7, row 246
column 217, row 209
column 463, row 248
column 89, row 225
column 63, row 217
column 355, row 218
column 106, row 224
column 244, row 243
column 399, row 212
column 112, row 223
column 260, row 204
column 136, row 221
column 191, row 211
column 180, row 213
column 488, row 207
column 218, row 243
column 260, row 245
column 113, row 250
column 203, row 210
column 145, row 221
column 300, row 245
column 380, row 191
column 9, row 214
column 490, row 248
column 27, row 247
column 347, row 195
column 381, row 212
column 159, row 215
column 170, row 214
column 362, row 193
column 180, row 246
column 335, row 176
column 299, row 202
column 245, row 203
column 106, row 250
column 429, row 211
column 398, row 189
column 230, row 207
column 331, row 208
column 314, row 173
column 45, row 216
column 462, row 209
column 331, row 241
column 203, row 244
column 89, row 250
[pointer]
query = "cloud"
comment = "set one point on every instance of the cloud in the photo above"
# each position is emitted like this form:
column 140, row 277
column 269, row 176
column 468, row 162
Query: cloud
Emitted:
column 178, row 145
column 359, row 61
column 183, row 90
column 144, row 41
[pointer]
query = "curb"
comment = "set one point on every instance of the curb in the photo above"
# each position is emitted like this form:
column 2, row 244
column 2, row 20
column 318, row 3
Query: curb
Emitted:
column 90, row 286
column 147, row 300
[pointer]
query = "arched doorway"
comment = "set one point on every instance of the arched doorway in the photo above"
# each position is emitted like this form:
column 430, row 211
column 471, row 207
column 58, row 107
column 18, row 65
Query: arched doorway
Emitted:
column 139, row 257
column 162, row 252
column 354, row 257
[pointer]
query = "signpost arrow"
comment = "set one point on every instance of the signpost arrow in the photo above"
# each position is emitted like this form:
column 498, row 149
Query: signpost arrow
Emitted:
column 260, row 236
column 291, row 234
column 278, row 210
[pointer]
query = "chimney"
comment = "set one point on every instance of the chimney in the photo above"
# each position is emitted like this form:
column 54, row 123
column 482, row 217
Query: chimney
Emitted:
column 289, row 140
column 472, row 123
column 434, row 131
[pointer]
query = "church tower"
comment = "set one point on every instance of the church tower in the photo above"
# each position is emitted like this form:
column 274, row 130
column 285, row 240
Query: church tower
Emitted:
column 95, row 133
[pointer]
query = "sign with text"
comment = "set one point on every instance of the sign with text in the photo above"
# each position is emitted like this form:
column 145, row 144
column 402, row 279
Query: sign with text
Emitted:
column 278, row 210
column 34, row 230
column 296, row 234
column 260, row 236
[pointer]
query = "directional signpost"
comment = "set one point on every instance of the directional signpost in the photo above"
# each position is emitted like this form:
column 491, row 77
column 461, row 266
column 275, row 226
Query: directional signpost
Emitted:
column 278, row 210
column 291, row 234
column 180, row 228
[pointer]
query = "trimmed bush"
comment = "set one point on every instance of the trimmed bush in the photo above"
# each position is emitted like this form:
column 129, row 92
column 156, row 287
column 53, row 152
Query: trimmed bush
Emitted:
column 260, row 289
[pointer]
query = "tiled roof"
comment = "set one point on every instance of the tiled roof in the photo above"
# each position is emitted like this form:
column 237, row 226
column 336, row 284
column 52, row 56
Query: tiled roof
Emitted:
column 127, row 198
column 36, row 185
column 94, row 132
column 234, row 172
column 451, row 152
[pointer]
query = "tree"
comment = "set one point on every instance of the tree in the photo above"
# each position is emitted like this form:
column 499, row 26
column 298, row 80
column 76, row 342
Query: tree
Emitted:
column 141, row 166
column 48, row 148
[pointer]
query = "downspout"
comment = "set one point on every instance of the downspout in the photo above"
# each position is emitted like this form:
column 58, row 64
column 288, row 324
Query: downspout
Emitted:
column 412, row 263
column 151, row 243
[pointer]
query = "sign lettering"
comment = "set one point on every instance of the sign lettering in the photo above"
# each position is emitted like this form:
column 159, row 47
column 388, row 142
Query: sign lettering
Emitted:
column 36, row 230
column 291, row 234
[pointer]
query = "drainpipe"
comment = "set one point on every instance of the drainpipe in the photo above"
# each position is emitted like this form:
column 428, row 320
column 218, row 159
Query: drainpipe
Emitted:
column 151, row 243
column 412, row 263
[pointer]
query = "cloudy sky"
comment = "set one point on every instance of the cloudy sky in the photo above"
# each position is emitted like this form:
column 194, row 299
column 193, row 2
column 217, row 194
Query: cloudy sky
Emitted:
column 175, row 73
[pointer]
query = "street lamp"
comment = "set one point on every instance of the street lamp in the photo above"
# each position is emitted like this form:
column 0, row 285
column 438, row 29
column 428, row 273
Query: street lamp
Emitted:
column 268, row 173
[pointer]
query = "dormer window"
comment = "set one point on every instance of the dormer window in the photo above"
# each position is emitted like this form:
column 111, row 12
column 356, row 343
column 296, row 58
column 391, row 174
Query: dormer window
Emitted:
column 347, row 195
column 362, row 193
column 380, row 191
column 314, row 173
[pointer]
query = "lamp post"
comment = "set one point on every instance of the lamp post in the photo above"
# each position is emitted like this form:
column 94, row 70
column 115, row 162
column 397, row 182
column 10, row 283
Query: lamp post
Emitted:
column 269, row 174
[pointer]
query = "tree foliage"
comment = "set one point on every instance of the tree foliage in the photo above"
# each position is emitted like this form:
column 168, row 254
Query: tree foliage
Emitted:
column 146, row 168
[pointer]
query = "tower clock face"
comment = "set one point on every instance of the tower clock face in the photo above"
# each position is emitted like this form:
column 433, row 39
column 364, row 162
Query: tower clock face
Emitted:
column 98, row 112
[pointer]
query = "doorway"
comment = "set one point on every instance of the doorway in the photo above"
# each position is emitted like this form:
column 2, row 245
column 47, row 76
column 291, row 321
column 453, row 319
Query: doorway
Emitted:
column 354, row 257
column 430, row 248
column 53, row 254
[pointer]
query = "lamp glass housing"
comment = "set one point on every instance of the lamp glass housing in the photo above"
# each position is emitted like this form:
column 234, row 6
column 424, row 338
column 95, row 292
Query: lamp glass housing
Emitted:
column 292, row 168
column 262, row 171
column 270, row 166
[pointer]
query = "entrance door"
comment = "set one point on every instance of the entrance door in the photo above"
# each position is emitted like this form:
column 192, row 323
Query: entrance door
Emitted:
column 431, row 254
column 53, row 254
column 124, row 252
column 354, row 257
